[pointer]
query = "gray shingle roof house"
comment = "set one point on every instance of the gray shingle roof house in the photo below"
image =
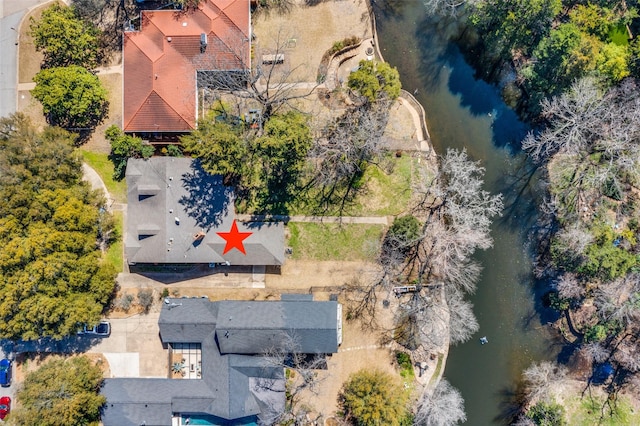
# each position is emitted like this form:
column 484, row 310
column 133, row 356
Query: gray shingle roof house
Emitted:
column 178, row 213
column 232, row 387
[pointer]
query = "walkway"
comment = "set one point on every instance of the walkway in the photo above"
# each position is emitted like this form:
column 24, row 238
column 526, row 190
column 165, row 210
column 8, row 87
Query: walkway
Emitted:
column 373, row 220
column 116, row 69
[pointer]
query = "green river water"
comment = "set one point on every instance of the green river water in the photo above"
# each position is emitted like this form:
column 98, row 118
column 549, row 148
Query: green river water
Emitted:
column 463, row 112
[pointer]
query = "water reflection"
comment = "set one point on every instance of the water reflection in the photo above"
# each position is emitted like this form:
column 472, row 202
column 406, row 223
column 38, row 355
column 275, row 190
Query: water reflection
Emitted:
column 463, row 112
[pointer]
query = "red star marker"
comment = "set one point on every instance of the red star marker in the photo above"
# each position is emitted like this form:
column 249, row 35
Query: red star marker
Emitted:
column 234, row 238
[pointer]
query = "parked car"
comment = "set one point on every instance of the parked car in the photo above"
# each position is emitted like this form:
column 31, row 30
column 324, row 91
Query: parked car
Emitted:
column 5, row 373
column 5, row 406
column 102, row 329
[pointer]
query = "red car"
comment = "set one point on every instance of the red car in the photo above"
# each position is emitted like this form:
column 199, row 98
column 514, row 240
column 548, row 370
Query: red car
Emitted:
column 5, row 406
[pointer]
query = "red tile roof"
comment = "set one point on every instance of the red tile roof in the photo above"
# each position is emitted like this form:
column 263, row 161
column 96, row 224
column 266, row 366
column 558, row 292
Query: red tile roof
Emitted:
column 161, row 60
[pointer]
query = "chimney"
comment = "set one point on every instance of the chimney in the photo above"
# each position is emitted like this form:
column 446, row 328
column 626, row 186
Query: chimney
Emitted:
column 203, row 42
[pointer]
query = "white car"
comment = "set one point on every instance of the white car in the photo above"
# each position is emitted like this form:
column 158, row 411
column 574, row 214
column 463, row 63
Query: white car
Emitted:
column 102, row 329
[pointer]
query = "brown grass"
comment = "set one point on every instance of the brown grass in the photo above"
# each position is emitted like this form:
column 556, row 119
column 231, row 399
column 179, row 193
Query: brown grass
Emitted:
column 28, row 59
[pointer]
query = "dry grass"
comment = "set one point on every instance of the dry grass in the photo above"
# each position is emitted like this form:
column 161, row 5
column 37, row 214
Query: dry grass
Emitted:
column 28, row 59
column 314, row 29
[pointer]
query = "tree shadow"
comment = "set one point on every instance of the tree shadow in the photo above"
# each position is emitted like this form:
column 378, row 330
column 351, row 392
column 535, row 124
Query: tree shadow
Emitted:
column 512, row 399
column 208, row 199
column 520, row 189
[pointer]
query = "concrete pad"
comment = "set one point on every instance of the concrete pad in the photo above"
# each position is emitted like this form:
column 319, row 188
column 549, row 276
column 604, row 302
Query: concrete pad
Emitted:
column 123, row 364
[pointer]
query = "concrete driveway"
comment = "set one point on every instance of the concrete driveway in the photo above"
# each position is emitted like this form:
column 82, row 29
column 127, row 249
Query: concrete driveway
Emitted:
column 134, row 348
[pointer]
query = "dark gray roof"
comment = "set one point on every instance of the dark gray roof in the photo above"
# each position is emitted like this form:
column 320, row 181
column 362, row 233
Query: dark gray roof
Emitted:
column 187, row 320
column 170, row 200
column 257, row 327
column 234, row 385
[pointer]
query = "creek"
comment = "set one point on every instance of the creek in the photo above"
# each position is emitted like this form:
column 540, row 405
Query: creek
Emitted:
column 464, row 112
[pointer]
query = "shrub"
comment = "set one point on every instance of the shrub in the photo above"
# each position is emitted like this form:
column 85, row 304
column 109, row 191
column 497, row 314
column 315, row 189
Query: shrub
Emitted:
column 373, row 398
column 124, row 302
column 145, row 298
column 547, row 414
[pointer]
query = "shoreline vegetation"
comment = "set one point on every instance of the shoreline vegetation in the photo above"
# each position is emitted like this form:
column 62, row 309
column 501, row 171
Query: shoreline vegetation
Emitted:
column 570, row 69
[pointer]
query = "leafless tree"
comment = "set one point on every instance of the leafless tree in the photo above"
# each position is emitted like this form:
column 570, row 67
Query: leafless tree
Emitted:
column 346, row 147
column 595, row 352
column 431, row 319
column 270, row 82
column 584, row 122
column 569, row 287
column 110, row 16
column 575, row 239
column 443, row 407
column 626, row 354
column 619, row 300
column 447, row 7
column 572, row 119
column 302, row 376
column 540, row 377
column 350, row 142
column 458, row 218
column 462, row 321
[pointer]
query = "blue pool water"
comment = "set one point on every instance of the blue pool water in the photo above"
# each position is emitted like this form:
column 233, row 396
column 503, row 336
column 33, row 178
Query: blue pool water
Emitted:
column 217, row 421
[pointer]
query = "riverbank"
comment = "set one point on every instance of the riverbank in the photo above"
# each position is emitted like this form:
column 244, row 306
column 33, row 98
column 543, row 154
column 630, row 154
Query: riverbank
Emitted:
column 309, row 32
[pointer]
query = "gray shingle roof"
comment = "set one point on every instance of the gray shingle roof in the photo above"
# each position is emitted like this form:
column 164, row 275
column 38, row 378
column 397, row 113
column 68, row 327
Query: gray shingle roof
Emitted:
column 232, row 385
column 170, row 200
column 256, row 327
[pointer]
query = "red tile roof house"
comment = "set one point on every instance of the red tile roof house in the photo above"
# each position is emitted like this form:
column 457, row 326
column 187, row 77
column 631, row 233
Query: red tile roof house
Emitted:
column 162, row 61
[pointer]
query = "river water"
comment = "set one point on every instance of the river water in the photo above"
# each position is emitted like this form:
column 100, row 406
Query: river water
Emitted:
column 463, row 112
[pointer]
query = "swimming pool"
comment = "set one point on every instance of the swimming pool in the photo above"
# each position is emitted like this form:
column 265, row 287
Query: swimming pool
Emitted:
column 201, row 419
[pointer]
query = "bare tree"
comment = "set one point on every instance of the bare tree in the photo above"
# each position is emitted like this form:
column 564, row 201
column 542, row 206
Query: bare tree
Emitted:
column 302, row 377
column 619, row 300
column 270, row 82
column 523, row 420
column 447, row 7
column 569, row 287
column 595, row 352
column 540, row 377
column 346, row 147
column 573, row 118
column 443, row 407
column 459, row 215
column 462, row 321
column 110, row 16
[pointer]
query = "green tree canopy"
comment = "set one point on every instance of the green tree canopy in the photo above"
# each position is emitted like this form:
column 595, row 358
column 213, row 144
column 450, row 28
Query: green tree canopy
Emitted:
column 65, row 39
column 403, row 235
column 514, row 24
column 61, row 392
column 374, row 80
column 282, row 150
column 266, row 168
column 123, row 147
column 71, row 97
column 53, row 279
column 373, row 398
column 220, row 146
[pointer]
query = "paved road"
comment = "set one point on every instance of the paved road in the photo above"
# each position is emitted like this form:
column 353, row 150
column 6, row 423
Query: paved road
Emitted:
column 6, row 352
column 11, row 14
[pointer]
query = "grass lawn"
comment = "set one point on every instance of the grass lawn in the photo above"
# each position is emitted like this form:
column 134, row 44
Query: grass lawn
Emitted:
column 114, row 253
column 386, row 194
column 587, row 412
column 101, row 164
column 381, row 193
column 319, row 241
